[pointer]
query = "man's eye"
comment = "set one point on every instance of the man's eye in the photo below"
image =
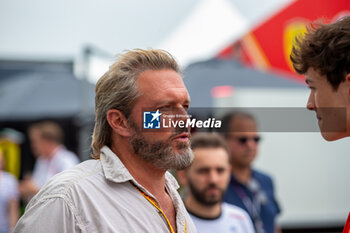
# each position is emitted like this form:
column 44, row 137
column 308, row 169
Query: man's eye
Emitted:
column 202, row 171
column 220, row 170
column 164, row 108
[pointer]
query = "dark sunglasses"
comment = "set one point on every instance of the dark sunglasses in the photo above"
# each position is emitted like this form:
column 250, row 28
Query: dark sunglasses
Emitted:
column 244, row 140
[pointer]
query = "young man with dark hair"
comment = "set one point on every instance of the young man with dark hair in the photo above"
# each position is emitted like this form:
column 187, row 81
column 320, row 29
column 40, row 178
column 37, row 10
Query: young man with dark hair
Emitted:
column 323, row 56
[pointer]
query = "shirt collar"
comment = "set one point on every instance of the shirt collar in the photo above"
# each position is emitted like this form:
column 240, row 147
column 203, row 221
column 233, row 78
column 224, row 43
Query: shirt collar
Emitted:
column 170, row 179
column 115, row 171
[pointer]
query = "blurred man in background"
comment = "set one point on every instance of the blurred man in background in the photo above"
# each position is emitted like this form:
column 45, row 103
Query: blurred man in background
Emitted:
column 206, row 181
column 46, row 140
column 9, row 204
column 249, row 189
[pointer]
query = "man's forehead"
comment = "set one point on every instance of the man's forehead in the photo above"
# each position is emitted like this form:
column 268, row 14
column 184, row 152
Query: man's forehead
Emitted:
column 241, row 124
column 161, row 82
column 164, row 75
column 243, row 133
column 210, row 166
column 210, row 156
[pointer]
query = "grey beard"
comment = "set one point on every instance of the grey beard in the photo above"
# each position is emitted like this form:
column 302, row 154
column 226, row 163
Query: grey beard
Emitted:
column 161, row 153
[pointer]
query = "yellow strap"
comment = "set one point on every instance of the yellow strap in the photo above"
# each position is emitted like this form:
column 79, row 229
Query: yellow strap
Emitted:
column 154, row 203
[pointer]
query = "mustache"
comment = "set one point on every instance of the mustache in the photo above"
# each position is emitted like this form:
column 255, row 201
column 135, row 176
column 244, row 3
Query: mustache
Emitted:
column 212, row 186
column 179, row 130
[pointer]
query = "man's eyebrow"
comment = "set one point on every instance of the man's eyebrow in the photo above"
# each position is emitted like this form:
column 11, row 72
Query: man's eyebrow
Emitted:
column 204, row 168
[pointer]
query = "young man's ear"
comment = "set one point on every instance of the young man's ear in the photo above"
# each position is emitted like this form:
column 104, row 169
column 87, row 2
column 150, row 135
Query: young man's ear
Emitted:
column 347, row 80
column 118, row 122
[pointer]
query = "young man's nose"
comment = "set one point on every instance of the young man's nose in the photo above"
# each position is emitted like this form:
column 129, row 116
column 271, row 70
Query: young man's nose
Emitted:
column 310, row 103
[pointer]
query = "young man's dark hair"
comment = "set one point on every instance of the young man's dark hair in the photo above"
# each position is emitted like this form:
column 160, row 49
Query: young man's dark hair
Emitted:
column 326, row 48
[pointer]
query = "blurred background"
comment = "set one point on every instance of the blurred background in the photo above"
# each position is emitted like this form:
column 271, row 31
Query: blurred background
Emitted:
column 235, row 53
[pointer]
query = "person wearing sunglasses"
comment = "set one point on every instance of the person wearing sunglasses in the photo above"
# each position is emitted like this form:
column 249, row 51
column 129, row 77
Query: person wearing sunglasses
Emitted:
column 249, row 189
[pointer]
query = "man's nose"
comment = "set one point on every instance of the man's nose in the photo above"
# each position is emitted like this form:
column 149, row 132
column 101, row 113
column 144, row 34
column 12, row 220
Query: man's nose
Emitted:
column 252, row 144
column 310, row 105
column 213, row 177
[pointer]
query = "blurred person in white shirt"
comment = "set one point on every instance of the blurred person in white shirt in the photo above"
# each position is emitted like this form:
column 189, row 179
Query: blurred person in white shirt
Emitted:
column 46, row 140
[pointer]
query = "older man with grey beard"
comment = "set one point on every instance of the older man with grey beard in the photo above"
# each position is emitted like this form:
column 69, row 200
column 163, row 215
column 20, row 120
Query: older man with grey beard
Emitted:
column 127, row 187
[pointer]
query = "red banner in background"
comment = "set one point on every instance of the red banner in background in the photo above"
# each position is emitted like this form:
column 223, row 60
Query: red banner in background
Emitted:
column 268, row 46
column 347, row 225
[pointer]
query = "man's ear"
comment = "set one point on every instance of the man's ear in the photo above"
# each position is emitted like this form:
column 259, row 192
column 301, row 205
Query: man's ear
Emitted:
column 347, row 81
column 118, row 122
column 181, row 176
